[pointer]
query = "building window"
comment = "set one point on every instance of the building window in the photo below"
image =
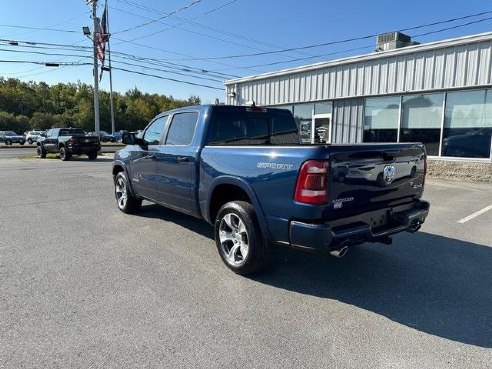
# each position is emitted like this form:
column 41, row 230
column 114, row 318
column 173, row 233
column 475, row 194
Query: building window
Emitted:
column 323, row 107
column 303, row 112
column 288, row 107
column 303, row 115
column 421, row 120
column 468, row 124
column 381, row 116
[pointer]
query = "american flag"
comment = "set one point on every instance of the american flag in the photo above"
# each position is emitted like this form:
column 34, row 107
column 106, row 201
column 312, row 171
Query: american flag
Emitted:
column 102, row 36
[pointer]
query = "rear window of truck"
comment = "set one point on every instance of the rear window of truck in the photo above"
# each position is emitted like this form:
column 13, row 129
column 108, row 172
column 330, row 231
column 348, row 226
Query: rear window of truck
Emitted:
column 253, row 128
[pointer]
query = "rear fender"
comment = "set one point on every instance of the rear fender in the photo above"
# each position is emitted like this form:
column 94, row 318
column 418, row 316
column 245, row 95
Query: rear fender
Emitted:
column 243, row 185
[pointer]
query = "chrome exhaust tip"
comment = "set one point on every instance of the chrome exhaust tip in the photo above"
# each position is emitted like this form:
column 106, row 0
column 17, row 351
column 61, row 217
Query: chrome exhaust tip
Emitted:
column 339, row 253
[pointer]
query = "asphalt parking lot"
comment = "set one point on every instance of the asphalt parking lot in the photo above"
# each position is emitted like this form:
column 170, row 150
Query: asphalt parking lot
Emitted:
column 84, row 285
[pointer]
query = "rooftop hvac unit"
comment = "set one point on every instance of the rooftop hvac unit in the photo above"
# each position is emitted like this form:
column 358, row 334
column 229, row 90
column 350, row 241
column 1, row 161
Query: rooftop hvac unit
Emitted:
column 393, row 40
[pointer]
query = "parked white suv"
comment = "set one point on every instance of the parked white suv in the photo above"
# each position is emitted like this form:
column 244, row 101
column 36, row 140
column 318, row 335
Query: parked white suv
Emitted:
column 32, row 136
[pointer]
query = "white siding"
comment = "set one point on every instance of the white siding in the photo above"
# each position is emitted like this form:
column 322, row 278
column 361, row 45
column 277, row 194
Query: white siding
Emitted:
column 455, row 65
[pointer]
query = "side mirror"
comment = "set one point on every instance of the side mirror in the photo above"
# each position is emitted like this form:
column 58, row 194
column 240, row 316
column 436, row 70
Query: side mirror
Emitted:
column 131, row 138
column 128, row 138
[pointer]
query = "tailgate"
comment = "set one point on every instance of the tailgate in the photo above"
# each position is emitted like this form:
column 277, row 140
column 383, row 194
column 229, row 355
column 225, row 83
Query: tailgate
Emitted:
column 368, row 177
column 85, row 140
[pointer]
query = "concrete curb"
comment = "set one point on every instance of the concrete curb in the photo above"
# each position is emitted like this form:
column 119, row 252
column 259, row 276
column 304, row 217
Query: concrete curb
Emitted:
column 460, row 171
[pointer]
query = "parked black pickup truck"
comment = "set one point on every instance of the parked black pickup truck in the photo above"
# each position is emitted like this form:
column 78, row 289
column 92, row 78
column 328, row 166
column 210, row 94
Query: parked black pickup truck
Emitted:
column 68, row 142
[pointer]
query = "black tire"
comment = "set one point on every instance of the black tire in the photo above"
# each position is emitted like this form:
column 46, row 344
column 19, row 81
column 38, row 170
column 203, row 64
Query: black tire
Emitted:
column 125, row 200
column 92, row 155
column 64, row 154
column 239, row 240
column 41, row 152
column 8, row 142
column 22, row 142
column 29, row 141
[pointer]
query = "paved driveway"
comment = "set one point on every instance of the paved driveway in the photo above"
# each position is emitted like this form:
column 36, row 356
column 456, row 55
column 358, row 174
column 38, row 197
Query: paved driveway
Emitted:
column 84, row 285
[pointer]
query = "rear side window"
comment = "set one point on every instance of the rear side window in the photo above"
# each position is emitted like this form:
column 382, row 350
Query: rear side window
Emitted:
column 182, row 128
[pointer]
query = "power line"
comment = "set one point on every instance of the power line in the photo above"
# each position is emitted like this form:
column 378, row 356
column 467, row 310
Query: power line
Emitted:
column 159, row 18
column 220, row 7
column 38, row 28
column 368, row 46
column 65, row 64
column 54, row 46
column 184, row 29
column 43, row 53
column 183, row 21
column 168, row 79
column 360, row 38
column 453, row 27
column 117, row 61
column 172, row 52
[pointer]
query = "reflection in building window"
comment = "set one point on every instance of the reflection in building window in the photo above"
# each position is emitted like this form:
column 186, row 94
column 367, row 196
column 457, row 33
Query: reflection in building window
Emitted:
column 303, row 115
column 381, row 119
column 468, row 124
column 421, row 120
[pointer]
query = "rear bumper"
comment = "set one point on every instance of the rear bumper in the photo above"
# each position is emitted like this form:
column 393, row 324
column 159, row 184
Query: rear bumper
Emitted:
column 375, row 226
column 78, row 150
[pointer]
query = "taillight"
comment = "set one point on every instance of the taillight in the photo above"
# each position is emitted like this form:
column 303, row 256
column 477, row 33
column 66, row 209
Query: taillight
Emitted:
column 312, row 183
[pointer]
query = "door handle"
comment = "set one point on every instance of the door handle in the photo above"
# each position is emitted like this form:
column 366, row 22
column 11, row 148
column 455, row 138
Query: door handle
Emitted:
column 183, row 159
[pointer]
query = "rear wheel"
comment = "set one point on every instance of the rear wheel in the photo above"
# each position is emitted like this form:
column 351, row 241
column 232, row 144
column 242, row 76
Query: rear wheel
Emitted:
column 29, row 141
column 64, row 154
column 125, row 200
column 239, row 240
column 92, row 155
column 41, row 152
column 8, row 142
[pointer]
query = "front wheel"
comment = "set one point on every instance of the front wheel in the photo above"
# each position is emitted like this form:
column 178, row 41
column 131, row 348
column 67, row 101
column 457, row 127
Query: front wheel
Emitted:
column 125, row 200
column 239, row 240
column 41, row 152
column 8, row 142
column 29, row 141
column 64, row 154
column 92, row 155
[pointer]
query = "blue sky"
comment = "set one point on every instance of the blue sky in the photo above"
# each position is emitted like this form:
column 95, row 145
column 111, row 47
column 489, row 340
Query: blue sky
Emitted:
column 190, row 32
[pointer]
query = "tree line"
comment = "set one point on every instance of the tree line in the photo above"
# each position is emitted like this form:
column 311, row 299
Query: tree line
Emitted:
column 28, row 105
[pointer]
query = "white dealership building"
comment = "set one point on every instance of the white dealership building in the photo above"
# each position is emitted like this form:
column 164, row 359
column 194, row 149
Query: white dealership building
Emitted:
column 438, row 93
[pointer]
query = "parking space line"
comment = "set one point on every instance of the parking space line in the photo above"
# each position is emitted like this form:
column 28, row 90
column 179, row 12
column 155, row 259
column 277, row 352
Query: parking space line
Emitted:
column 474, row 215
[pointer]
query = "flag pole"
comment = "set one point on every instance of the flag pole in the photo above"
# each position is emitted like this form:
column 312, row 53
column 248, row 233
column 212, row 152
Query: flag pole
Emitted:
column 110, row 75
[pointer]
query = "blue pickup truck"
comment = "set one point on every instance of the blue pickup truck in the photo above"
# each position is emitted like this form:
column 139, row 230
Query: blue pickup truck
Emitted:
column 245, row 171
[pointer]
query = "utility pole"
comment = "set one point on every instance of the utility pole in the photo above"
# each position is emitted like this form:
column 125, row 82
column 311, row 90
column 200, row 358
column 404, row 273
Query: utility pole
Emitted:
column 96, row 67
column 110, row 76
column 111, row 91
